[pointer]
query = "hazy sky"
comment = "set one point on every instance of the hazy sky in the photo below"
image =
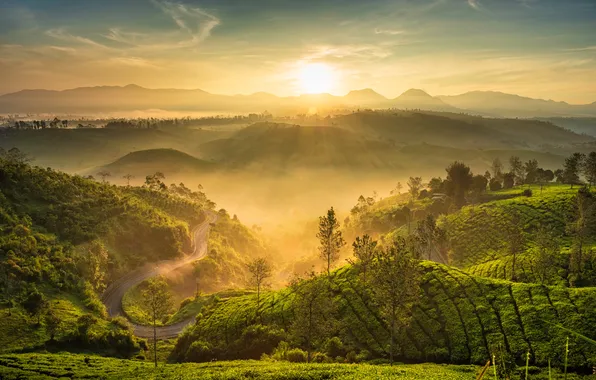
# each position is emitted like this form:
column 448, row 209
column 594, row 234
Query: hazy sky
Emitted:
column 538, row 48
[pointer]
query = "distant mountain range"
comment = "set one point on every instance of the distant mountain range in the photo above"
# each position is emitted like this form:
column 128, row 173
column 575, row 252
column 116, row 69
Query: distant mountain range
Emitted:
column 135, row 98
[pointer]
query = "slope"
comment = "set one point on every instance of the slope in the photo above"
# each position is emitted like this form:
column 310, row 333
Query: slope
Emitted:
column 459, row 319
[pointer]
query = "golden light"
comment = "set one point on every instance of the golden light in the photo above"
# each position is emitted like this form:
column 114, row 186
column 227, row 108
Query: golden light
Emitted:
column 316, row 78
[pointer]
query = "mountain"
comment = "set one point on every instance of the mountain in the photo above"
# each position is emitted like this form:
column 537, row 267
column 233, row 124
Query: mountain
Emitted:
column 418, row 99
column 510, row 105
column 364, row 97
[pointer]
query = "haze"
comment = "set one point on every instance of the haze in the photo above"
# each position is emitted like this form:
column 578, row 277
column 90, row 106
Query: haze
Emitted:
column 535, row 48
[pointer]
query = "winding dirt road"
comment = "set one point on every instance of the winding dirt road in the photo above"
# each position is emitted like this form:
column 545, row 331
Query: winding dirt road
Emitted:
column 112, row 297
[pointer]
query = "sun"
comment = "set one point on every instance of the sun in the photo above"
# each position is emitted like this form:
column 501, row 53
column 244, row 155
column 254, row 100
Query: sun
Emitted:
column 316, row 78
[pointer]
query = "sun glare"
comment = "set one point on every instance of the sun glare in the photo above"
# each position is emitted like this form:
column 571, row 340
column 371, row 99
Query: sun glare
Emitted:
column 316, row 78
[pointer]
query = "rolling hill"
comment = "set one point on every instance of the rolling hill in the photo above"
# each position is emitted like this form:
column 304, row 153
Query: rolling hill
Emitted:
column 145, row 162
column 460, row 319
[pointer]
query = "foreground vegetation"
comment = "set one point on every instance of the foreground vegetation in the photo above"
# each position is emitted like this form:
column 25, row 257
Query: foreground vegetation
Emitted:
column 43, row 366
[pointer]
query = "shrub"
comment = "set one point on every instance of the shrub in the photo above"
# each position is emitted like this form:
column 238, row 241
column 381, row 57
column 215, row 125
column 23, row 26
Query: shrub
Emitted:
column 363, row 356
column 320, row 357
column 257, row 340
column 281, row 351
column 527, row 193
column 296, row 355
column 351, row 357
column 199, row 351
column 334, row 347
column 186, row 301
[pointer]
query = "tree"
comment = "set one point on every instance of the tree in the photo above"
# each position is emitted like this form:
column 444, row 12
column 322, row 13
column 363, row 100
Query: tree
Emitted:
column 414, row 186
column 104, row 174
column 8, row 288
column 154, row 181
column 479, row 184
column 580, row 229
column 34, row 304
column 508, row 180
column 128, row 177
column 494, row 184
column 589, row 168
column 397, row 189
column 531, row 170
column 544, row 260
column 158, row 303
column 395, row 286
column 515, row 240
column 364, row 249
column 497, row 169
column 543, row 177
column 436, row 185
column 330, row 238
column 571, row 169
column 52, row 323
column 459, row 179
column 312, row 306
column 260, row 271
column 517, row 168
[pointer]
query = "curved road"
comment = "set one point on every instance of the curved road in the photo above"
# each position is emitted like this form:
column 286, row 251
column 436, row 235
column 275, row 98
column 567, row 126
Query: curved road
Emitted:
column 112, row 297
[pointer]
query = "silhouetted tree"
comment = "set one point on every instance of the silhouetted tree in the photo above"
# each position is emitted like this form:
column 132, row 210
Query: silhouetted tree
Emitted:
column 459, row 181
column 330, row 238
column 364, row 249
column 515, row 240
column 128, row 177
column 589, row 168
column 571, row 169
column 260, row 271
column 497, row 169
column 508, row 180
column 52, row 323
column 545, row 257
column 104, row 174
column 34, row 304
column 531, row 168
column 414, row 186
column 158, row 302
column 517, row 168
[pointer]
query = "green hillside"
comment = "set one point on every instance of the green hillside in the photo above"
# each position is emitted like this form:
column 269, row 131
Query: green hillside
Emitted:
column 64, row 238
column 460, row 319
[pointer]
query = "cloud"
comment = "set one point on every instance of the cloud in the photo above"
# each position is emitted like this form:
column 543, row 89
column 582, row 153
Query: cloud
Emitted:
column 585, row 48
column 391, row 32
column 61, row 34
column 343, row 51
column 195, row 21
column 474, row 4
column 134, row 62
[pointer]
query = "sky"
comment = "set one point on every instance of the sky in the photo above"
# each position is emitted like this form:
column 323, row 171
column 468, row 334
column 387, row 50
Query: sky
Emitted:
column 538, row 48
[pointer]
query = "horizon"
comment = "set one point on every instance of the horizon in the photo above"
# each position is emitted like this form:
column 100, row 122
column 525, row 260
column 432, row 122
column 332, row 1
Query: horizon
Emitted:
column 541, row 49
column 298, row 95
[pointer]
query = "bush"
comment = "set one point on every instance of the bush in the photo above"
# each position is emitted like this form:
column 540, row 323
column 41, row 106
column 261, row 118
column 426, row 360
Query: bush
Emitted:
column 296, row 355
column 334, row 347
column 199, row 351
column 320, row 357
column 527, row 193
column 281, row 351
column 186, row 301
column 364, row 355
column 351, row 357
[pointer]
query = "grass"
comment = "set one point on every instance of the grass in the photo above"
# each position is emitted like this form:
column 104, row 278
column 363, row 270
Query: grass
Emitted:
column 42, row 367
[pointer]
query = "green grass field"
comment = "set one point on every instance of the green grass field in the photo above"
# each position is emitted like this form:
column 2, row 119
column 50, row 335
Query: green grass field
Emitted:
column 43, row 366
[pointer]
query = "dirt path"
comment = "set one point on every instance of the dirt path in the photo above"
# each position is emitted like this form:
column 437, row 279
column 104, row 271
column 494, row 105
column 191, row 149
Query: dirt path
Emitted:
column 112, row 297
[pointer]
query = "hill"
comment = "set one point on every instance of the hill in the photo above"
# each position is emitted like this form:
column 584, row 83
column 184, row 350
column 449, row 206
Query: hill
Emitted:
column 284, row 146
column 510, row 105
column 65, row 238
column 418, row 99
column 460, row 318
column 145, row 162
column 76, row 150
column 458, row 131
